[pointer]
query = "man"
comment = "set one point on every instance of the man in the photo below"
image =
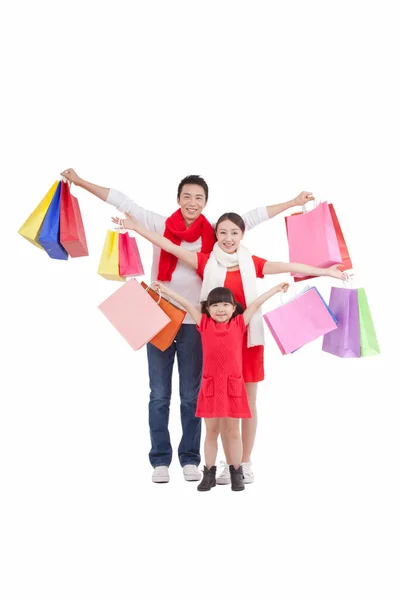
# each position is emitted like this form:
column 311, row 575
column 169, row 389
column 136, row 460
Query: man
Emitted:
column 188, row 227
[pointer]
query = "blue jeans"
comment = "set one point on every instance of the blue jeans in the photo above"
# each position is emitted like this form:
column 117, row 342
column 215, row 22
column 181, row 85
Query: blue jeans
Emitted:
column 187, row 347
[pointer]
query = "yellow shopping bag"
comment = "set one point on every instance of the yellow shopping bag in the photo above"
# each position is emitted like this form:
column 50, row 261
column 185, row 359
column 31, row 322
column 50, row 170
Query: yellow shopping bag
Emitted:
column 109, row 261
column 31, row 228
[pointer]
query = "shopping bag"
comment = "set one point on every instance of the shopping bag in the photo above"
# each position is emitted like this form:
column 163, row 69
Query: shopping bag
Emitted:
column 166, row 336
column 345, row 262
column 72, row 232
column 300, row 321
column 134, row 314
column 130, row 264
column 344, row 252
column 49, row 236
column 312, row 238
column 31, row 228
column 368, row 339
column 345, row 340
column 109, row 261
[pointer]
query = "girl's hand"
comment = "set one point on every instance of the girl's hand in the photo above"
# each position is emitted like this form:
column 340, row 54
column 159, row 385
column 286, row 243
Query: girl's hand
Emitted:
column 334, row 272
column 281, row 287
column 71, row 176
column 129, row 223
column 160, row 287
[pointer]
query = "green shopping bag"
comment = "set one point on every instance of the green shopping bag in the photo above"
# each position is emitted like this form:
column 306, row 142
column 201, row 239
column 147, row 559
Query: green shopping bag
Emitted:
column 368, row 340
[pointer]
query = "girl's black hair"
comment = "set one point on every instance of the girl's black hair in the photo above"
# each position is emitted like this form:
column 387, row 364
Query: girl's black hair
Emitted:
column 221, row 294
column 234, row 217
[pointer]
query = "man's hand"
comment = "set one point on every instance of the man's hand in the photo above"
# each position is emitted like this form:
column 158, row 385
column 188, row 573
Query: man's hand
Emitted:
column 303, row 198
column 71, row 176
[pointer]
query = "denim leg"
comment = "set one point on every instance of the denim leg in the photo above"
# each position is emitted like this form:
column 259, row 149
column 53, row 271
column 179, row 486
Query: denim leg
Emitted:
column 160, row 376
column 190, row 364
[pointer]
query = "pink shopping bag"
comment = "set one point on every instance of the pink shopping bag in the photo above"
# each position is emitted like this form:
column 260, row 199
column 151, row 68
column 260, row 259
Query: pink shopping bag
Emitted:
column 134, row 314
column 312, row 238
column 300, row 321
column 130, row 264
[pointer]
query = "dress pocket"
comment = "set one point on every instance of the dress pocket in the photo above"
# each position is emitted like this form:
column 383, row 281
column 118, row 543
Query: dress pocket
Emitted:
column 235, row 386
column 208, row 386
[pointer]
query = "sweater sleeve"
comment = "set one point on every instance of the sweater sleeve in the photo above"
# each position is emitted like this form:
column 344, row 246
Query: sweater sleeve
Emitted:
column 152, row 221
column 255, row 217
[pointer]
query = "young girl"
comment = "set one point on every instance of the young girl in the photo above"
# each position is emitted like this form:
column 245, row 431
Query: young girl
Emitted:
column 222, row 399
column 231, row 265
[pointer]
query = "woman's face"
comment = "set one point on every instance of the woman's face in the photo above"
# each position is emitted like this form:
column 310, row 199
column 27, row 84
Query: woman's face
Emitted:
column 229, row 236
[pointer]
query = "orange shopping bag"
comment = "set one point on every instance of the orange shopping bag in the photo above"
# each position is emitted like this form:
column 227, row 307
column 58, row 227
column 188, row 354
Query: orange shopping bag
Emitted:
column 166, row 336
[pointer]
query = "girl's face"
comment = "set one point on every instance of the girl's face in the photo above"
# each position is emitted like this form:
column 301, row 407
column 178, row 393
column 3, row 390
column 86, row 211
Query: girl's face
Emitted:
column 221, row 312
column 229, row 236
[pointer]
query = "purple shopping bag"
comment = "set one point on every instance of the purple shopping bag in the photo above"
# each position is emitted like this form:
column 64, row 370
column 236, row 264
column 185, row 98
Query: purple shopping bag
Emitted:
column 312, row 238
column 345, row 340
column 300, row 321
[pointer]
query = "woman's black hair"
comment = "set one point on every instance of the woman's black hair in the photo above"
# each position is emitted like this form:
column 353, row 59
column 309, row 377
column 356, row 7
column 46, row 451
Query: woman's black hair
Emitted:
column 234, row 217
column 221, row 294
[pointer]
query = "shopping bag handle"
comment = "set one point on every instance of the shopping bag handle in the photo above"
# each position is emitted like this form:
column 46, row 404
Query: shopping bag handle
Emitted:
column 120, row 226
column 64, row 180
column 157, row 292
column 296, row 293
column 315, row 202
column 282, row 294
column 348, row 281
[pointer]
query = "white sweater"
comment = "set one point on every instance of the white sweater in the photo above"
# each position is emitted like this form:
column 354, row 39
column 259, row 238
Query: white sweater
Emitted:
column 185, row 280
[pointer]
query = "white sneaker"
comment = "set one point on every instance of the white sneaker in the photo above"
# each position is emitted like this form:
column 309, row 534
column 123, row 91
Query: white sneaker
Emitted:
column 224, row 477
column 248, row 475
column 191, row 473
column 160, row 475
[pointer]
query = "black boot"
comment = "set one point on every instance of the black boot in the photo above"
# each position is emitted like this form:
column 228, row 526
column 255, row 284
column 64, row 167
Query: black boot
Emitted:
column 208, row 480
column 237, row 479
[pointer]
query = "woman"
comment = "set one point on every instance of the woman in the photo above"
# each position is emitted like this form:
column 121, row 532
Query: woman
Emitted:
column 231, row 265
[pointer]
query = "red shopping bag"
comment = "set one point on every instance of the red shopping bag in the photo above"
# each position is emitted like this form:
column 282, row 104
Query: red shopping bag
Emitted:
column 72, row 232
column 130, row 264
column 346, row 260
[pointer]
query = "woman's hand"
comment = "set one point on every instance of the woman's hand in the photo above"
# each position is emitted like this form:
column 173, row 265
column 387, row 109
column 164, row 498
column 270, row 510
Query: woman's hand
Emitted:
column 160, row 287
column 71, row 175
column 334, row 272
column 128, row 223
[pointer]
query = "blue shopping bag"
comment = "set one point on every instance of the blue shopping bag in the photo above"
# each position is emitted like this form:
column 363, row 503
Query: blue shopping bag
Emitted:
column 49, row 237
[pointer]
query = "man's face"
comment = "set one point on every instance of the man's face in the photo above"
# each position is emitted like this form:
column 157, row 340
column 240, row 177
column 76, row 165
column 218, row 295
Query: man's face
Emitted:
column 192, row 201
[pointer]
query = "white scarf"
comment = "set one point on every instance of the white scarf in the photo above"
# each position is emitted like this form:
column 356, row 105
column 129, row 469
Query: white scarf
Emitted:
column 215, row 275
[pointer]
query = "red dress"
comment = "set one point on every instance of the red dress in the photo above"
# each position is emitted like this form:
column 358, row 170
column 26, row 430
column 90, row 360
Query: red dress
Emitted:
column 222, row 392
column 253, row 358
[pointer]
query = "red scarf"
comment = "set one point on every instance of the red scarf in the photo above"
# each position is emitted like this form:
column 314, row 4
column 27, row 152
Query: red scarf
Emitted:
column 176, row 231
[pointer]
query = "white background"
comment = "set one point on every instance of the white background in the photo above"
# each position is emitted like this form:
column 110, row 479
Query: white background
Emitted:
column 263, row 100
